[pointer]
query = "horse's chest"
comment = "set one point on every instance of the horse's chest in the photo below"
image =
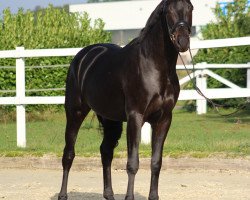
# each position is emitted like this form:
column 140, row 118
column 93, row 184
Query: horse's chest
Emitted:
column 162, row 102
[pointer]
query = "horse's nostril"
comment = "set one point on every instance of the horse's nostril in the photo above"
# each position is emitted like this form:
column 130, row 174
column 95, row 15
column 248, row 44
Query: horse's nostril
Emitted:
column 179, row 43
column 180, row 40
column 183, row 41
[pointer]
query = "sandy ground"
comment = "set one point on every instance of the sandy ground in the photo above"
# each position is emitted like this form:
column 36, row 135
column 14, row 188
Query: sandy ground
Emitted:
column 41, row 184
column 33, row 178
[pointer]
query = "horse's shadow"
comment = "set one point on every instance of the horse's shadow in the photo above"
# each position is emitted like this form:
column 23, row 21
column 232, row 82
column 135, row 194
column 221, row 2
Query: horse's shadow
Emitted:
column 94, row 196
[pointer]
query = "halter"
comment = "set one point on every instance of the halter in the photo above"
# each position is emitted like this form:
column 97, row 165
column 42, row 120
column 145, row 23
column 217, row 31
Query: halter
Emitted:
column 175, row 26
column 172, row 29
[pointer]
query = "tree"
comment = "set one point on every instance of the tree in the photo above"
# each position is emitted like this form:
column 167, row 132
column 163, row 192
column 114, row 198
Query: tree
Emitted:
column 49, row 28
column 46, row 28
column 234, row 23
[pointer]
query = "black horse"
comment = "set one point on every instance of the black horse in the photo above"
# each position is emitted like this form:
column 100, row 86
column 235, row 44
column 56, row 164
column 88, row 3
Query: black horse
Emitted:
column 137, row 84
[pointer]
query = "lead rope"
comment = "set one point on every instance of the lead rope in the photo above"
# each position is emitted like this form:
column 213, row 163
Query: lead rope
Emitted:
column 215, row 105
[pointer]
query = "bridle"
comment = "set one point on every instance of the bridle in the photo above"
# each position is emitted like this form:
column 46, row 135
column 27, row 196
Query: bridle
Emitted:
column 171, row 31
column 178, row 24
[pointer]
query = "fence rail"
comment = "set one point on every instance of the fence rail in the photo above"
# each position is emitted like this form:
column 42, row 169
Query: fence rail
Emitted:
column 202, row 71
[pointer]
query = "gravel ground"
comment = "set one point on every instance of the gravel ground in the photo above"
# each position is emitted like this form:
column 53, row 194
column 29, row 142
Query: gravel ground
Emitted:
column 33, row 178
column 42, row 184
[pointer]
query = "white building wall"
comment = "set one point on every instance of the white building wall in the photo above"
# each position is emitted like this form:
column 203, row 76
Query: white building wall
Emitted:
column 134, row 14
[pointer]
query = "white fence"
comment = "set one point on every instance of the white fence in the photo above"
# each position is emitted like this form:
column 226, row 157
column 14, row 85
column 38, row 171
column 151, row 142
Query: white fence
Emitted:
column 20, row 100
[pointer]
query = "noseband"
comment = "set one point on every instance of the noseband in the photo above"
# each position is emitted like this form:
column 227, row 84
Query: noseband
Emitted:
column 178, row 24
column 175, row 26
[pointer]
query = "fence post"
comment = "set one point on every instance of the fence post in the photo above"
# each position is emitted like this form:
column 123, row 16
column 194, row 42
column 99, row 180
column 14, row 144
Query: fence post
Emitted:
column 146, row 133
column 248, row 76
column 248, row 80
column 201, row 82
column 20, row 95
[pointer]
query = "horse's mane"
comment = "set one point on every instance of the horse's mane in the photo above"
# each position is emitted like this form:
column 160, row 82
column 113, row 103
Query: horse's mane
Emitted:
column 152, row 20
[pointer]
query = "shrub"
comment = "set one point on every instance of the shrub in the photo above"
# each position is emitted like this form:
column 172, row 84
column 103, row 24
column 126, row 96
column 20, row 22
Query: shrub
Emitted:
column 48, row 28
column 234, row 23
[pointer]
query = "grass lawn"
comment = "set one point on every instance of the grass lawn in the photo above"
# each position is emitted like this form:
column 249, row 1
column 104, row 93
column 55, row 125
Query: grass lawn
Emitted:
column 189, row 135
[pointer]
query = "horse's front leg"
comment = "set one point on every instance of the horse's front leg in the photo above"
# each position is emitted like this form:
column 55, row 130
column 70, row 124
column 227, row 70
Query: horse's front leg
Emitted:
column 160, row 130
column 135, row 121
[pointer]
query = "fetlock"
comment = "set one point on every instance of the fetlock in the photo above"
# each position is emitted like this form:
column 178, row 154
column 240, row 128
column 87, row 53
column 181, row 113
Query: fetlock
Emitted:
column 62, row 197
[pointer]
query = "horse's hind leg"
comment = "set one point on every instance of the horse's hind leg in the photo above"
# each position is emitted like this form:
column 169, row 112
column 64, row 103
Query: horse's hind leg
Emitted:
column 74, row 120
column 112, row 133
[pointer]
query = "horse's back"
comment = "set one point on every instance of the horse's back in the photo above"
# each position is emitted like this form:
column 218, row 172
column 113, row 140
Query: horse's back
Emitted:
column 97, row 76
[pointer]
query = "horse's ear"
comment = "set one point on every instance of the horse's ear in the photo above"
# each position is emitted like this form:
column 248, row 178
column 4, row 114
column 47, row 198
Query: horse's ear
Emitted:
column 164, row 2
column 164, row 5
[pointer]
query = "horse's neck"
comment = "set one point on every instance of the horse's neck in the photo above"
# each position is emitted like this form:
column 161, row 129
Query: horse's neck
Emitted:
column 157, row 46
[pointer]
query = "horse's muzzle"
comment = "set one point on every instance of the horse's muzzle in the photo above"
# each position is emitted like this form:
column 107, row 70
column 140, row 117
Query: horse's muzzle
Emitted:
column 182, row 43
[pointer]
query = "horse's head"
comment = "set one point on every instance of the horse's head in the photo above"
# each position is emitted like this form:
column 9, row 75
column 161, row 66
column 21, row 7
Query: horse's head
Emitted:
column 178, row 15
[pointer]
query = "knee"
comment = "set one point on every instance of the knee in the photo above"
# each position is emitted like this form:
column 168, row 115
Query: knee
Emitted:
column 156, row 166
column 68, row 155
column 132, row 167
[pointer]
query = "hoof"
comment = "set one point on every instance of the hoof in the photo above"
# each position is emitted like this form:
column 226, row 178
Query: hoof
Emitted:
column 108, row 194
column 109, row 197
column 153, row 198
column 129, row 198
column 62, row 197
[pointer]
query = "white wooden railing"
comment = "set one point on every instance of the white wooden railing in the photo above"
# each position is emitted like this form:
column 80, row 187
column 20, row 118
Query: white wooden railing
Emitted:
column 20, row 100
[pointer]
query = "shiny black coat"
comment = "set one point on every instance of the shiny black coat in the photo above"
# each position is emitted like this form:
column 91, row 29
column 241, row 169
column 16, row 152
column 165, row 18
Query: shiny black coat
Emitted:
column 137, row 84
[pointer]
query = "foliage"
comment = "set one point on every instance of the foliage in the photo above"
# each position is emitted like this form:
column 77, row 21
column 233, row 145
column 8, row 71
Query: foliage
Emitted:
column 235, row 23
column 47, row 28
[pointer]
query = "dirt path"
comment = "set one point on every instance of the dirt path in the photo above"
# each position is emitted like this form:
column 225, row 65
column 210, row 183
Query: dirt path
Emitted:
column 37, row 184
column 32, row 178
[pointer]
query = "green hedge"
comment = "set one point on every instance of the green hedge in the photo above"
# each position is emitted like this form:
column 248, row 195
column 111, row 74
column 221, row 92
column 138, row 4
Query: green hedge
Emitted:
column 235, row 23
column 48, row 28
